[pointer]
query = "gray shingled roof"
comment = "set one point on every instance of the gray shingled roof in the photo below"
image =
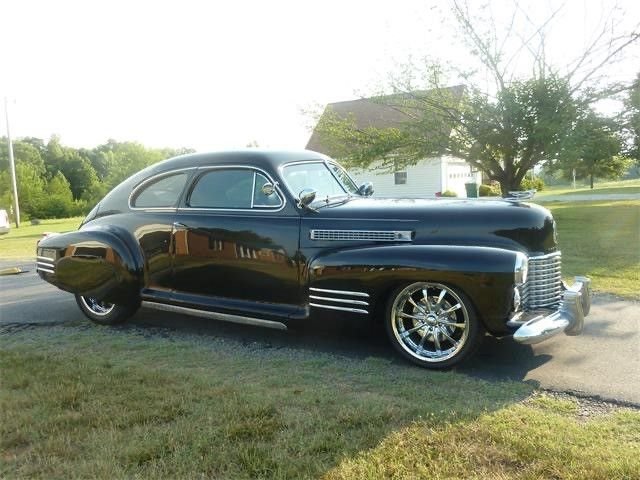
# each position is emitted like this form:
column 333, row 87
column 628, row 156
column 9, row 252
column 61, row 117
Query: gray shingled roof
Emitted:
column 372, row 112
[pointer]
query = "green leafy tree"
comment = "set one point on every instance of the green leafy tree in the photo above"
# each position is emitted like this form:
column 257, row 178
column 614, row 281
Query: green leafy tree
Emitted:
column 79, row 173
column 632, row 121
column 592, row 150
column 30, row 184
column 23, row 152
column 504, row 129
column 58, row 201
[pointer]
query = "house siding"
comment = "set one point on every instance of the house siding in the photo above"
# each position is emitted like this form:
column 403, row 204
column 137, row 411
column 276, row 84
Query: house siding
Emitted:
column 423, row 180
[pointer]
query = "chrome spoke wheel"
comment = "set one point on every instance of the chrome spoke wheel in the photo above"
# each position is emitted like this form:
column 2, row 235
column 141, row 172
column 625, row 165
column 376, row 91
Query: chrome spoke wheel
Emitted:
column 97, row 307
column 430, row 322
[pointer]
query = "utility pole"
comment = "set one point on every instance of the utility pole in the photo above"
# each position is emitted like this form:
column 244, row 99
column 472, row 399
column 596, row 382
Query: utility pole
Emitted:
column 12, row 163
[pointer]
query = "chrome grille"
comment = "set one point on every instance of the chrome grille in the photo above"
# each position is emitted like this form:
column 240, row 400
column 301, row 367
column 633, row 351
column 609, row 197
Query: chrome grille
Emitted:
column 543, row 288
column 373, row 235
column 45, row 264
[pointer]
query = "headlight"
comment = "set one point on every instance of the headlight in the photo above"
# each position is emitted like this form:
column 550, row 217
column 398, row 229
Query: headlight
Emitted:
column 521, row 268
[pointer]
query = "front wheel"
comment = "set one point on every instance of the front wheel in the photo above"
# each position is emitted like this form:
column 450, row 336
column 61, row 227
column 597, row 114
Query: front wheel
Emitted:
column 432, row 325
column 104, row 313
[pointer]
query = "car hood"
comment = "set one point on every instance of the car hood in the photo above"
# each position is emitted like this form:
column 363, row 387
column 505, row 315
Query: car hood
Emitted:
column 499, row 223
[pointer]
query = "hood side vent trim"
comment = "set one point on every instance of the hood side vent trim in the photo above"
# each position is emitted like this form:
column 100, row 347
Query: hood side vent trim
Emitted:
column 363, row 235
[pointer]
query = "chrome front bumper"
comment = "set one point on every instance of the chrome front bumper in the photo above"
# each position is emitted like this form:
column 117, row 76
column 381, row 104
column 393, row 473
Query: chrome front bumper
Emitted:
column 569, row 318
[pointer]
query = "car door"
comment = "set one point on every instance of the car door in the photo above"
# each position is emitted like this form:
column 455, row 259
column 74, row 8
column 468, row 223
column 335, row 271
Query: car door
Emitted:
column 235, row 244
column 153, row 206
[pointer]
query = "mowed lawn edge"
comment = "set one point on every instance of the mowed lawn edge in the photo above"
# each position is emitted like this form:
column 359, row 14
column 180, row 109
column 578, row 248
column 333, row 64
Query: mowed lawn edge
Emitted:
column 600, row 239
column 101, row 402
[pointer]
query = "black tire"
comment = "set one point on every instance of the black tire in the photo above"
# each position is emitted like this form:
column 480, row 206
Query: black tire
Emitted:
column 436, row 335
column 105, row 313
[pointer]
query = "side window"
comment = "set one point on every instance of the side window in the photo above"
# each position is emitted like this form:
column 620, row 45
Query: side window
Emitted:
column 161, row 193
column 265, row 197
column 232, row 188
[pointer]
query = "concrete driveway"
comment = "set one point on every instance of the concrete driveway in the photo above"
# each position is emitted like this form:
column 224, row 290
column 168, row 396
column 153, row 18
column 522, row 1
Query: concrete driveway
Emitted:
column 603, row 362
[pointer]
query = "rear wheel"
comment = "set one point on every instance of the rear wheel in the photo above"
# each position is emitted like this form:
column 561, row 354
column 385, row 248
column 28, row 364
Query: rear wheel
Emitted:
column 432, row 325
column 105, row 313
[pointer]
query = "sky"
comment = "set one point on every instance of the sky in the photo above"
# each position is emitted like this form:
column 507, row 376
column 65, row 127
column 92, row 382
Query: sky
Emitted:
column 212, row 75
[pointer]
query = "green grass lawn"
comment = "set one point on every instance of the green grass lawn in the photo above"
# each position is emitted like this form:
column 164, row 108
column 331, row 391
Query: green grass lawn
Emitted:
column 601, row 240
column 21, row 242
column 620, row 186
column 112, row 403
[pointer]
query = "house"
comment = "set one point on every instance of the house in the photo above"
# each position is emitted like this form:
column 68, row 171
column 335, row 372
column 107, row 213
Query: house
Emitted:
column 427, row 178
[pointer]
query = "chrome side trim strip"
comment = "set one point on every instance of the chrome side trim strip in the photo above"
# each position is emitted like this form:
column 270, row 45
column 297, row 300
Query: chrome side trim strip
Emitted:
column 339, row 292
column 45, row 259
column 42, row 269
column 344, row 309
column 226, row 317
column 339, row 300
column 45, row 264
column 362, row 235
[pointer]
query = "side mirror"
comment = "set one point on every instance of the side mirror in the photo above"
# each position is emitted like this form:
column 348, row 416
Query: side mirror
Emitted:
column 305, row 197
column 366, row 189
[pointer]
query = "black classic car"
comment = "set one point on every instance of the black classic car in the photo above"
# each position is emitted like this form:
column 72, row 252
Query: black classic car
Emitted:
column 274, row 238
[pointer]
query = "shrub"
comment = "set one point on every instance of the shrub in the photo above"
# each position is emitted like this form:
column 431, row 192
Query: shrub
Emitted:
column 489, row 190
column 532, row 183
column 449, row 193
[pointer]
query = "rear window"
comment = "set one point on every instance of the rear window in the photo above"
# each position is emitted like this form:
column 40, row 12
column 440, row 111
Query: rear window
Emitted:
column 160, row 193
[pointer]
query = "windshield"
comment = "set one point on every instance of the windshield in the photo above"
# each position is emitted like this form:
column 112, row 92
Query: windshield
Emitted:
column 327, row 179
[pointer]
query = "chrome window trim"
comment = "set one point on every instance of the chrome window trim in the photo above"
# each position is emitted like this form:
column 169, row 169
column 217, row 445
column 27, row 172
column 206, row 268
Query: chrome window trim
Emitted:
column 253, row 188
column 272, row 208
column 153, row 178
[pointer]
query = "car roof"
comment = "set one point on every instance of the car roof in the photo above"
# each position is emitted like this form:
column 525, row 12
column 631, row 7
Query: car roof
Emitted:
column 269, row 160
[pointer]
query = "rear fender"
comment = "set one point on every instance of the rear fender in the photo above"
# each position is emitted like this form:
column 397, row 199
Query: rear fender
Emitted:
column 101, row 262
column 484, row 274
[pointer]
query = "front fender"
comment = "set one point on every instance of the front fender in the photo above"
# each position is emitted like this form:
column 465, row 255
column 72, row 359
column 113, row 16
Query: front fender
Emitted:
column 99, row 262
column 484, row 274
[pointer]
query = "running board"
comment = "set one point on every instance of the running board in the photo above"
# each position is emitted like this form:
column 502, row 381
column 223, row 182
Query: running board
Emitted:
column 225, row 317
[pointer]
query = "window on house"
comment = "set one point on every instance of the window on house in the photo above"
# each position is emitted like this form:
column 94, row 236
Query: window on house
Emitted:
column 400, row 176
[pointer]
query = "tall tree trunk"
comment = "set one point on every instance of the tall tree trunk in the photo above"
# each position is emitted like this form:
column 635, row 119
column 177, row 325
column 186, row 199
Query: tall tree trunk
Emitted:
column 591, row 177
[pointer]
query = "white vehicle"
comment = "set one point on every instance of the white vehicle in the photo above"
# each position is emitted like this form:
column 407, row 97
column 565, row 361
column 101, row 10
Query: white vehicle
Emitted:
column 4, row 222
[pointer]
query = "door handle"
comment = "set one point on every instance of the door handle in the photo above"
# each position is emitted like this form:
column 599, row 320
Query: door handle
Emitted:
column 179, row 225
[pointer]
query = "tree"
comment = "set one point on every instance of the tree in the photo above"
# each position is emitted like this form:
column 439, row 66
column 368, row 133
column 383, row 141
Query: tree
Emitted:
column 503, row 130
column 592, row 150
column 30, row 187
column 24, row 152
column 632, row 121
